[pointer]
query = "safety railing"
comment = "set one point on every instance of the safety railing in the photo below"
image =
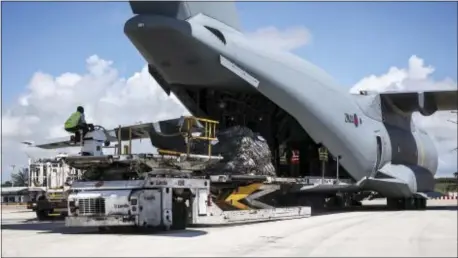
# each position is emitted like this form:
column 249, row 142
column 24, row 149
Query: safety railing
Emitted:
column 208, row 135
column 186, row 130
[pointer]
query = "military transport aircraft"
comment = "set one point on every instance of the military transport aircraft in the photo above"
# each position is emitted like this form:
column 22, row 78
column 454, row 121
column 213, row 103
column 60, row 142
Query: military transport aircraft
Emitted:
column 198, row 52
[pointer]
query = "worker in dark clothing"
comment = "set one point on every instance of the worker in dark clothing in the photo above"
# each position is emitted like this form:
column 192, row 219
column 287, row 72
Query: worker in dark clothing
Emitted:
column 76, row 123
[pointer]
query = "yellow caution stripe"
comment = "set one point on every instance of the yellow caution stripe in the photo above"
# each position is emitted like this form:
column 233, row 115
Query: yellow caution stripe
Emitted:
column 169, row 152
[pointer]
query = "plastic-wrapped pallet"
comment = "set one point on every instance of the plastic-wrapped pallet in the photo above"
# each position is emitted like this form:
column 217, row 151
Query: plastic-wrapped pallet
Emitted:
column 244, row 152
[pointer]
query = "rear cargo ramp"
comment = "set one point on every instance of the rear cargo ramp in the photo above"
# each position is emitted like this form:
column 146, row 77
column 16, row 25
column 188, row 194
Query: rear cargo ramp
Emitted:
column 312, row 115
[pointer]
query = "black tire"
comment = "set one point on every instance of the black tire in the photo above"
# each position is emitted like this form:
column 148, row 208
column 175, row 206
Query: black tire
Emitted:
column 42, row 215
column 396, row 203
column 411, row 203
column 420, row 203
column 425, row 204
column 179, row 216
column 391, row 203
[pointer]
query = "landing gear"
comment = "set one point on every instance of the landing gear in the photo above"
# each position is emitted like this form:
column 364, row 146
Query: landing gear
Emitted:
column 421, row 203
column 412, row 203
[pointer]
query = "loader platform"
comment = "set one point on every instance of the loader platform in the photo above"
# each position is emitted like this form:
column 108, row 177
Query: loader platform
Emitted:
column 172, row 201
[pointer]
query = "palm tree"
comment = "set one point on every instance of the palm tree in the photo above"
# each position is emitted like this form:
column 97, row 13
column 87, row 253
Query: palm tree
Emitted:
column 7, row 184
column 21, row 178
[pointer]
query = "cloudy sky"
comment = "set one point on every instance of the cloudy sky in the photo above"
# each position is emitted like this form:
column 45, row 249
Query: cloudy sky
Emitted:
column 56, row 56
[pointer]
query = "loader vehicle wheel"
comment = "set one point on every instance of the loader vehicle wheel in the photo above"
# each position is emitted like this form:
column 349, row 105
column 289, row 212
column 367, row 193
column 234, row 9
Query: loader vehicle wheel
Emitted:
column 179, row 216
column 42, row 215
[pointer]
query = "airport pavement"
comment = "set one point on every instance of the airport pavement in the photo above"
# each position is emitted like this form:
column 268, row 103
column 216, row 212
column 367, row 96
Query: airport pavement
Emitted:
column 369, row 231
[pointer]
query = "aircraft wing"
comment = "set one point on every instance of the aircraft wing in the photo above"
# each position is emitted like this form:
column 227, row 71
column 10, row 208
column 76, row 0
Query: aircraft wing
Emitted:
column 427, row 102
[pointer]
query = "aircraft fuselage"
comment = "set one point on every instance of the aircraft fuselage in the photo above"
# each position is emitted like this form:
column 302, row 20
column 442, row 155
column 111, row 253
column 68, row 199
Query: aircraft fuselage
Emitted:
column 203, row 53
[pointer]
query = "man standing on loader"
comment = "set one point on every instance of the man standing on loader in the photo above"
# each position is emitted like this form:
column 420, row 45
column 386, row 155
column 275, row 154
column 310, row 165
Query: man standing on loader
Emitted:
column 77, row 123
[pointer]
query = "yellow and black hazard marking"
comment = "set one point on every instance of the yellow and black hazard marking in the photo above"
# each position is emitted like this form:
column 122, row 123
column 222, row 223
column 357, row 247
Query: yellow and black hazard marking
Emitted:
column 237, row 196
column 252, row 196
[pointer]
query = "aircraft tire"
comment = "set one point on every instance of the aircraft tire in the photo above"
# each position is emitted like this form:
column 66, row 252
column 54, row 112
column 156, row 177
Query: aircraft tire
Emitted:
column 406, row 203
column 420, row 203
column 411, row 203
column 394, row 203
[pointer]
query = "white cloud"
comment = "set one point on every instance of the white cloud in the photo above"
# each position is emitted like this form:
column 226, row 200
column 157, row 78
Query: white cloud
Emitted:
column 417, row 77
column 108, row 99
column 288, row 39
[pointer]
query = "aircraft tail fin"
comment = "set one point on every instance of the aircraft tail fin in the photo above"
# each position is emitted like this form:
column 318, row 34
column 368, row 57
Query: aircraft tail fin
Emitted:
column 224, row 12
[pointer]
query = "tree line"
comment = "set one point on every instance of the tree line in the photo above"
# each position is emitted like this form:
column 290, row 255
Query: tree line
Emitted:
column 452, row 180
column 20, row 178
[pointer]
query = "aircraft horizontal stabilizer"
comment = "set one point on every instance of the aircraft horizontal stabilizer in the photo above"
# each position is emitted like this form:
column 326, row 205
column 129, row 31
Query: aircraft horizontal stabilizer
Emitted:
column 427, row 103
column 134, row 132
column 56, row 143
column 158, row 132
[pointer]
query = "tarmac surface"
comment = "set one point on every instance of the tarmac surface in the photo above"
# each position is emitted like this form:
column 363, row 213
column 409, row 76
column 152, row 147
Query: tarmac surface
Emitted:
column 367, row 231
